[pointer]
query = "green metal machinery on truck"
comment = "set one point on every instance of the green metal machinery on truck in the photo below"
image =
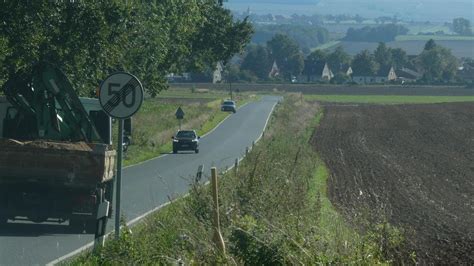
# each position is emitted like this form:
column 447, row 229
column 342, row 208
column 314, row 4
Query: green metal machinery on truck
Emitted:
column 56, row 160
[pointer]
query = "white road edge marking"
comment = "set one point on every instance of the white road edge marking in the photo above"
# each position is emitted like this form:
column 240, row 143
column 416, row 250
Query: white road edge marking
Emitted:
column 170, row 151
column 130, row 223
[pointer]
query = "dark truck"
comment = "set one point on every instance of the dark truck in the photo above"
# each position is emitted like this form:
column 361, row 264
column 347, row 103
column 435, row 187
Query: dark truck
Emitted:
column 56, row 160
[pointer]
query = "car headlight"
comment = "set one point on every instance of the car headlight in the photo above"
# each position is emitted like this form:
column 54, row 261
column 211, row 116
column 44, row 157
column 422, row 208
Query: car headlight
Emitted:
column 175, row 140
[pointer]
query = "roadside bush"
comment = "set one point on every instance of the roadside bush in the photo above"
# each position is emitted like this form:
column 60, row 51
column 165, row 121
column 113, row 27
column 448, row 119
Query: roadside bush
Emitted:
column 247, row 244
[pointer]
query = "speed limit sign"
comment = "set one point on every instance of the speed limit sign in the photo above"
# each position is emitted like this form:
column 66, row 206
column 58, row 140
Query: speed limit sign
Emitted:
column 121, row 95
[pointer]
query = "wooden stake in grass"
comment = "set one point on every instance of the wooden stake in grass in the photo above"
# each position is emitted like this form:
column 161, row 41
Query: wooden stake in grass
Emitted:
column 236, row 165
column 218, row 240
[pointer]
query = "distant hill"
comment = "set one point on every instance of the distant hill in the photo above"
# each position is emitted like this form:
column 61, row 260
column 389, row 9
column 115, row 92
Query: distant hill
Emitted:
column 417, row 10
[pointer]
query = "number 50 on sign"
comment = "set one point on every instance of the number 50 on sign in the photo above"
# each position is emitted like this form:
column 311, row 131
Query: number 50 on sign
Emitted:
column 121, row 95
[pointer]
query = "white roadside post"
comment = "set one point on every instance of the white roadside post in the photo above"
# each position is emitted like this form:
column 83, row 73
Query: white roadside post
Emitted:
column 121, row 96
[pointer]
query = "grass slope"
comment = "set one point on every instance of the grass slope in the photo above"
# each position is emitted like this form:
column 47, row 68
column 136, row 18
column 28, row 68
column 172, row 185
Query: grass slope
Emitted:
column 273, row 208
column 388, row 99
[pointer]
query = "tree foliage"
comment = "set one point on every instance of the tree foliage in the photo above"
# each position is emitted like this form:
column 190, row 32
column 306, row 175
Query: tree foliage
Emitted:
column 437, row 63
column 364, row 64
column 399, row 58
column 462, row 26
column 314, row 61
column 383, row 55
column 257, row 60
column 90, row 39
column 382, row 33
column 287, row 54
column 430, row 44
column 338, row 60
column 306, row 36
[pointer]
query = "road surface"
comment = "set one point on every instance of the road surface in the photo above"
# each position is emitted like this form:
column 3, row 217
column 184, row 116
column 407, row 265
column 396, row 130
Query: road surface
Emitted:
column 144, row 187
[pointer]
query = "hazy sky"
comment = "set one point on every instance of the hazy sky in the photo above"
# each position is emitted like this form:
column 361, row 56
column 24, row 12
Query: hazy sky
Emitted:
column 419, row 10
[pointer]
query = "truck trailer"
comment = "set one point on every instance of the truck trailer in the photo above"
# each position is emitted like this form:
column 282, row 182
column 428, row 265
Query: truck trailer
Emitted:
column 56, row 159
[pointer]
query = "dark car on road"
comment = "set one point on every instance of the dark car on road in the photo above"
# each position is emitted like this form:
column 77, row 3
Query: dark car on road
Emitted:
column 186, row 140
column 228, row 106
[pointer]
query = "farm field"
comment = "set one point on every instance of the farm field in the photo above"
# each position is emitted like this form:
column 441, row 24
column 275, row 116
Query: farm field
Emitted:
column 410, row 164
column 426, row 38
column 459, row 48
column 389, row 99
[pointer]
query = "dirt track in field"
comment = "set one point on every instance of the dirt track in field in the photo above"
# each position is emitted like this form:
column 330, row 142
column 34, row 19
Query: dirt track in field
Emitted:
column 412, row 163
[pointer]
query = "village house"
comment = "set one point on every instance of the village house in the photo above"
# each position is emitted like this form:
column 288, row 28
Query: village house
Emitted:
column 275, row 71
column 466, row 72
column 384, row 75
column 405, row 75
column 217, row 75
column 183, row 77
column 320, row 72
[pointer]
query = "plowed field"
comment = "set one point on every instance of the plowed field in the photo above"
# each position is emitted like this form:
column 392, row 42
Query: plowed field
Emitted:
column 413, row 164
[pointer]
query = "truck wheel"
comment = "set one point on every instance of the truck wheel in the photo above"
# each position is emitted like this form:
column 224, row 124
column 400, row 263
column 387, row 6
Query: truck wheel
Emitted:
column 196, row 150
column 175, row 151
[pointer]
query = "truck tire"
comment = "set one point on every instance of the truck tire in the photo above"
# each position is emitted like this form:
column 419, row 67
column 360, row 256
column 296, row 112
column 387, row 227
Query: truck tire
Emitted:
column 196, row 150
column 175, row 151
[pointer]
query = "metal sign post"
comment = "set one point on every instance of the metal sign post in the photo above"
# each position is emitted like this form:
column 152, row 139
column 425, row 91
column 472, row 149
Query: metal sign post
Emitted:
column 118, row 179
column 179, row 115
column 121, row 96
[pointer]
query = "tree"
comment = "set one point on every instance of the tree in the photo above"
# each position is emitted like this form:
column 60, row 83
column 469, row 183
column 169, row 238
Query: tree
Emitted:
column 381, row 33
column 358, row 19
column 287, row 54
column 313, row 62
column 462, row 26
column 437, row 64
column 338, row 59
column 257, row 61
column 430, row 44
column 90, row 39
column 383, row 55
column 219, row 37
column 364, row 64
column 307, row 36
column 399, row 58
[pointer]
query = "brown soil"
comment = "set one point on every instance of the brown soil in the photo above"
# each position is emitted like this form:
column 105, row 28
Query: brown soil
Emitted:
column 45, row 144
column 413, row 164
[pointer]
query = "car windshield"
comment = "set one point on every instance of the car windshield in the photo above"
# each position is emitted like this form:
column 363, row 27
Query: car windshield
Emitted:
column 186, row 134
column 229, row 103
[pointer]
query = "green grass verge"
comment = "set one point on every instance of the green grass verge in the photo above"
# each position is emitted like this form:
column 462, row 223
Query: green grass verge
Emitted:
column 155, row 123
column 388, row 99
column 434, row 37
column 274, row 210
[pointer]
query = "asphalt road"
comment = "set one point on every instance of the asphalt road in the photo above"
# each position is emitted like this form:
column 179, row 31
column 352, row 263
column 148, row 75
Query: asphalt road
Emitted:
column 144, row 187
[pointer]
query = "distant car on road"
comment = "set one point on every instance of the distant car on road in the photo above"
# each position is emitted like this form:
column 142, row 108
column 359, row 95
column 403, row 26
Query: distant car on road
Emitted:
column 186, row 140
column 229, row 106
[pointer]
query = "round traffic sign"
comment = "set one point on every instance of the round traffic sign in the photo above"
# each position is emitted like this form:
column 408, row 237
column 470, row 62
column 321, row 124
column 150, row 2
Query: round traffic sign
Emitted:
column 121, row 95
